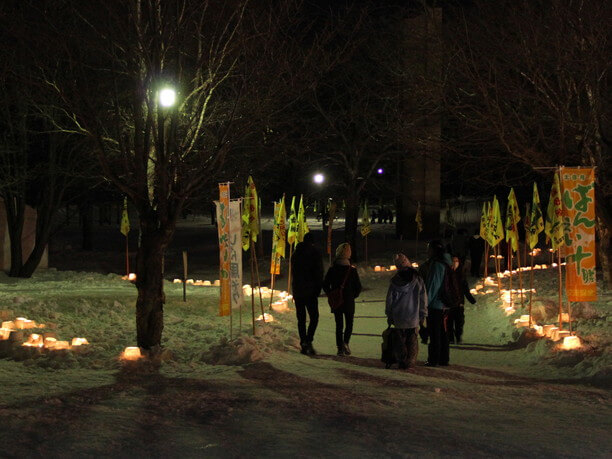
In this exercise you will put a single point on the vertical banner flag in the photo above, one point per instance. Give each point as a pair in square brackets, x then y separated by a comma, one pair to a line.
[512, 218]
[484, 221]
[125, 219]
[253, 204]
[365, 220]
[419, 218]
[536, 221]
[450, 221]
[554, 225]
[332, 215]
[496, 229]
[579, 231]
[282, 229]
[235, 236]
[275, 257]
[223, 219]
[292, 233]
[302, 226]
[246, 233]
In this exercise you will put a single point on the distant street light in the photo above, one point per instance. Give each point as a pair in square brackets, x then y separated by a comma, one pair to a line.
[318, 178]
[380, 171]
[167, 97]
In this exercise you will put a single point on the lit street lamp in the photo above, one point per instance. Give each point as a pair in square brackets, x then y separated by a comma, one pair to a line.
[167, 97]
[318, 178]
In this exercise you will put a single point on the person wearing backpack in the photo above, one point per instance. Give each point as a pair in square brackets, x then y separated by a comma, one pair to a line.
[435, 272]
[406, 307]
[344, 277]
[456, 313]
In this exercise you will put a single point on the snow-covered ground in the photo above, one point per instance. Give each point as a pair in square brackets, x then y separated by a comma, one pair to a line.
[502, 395]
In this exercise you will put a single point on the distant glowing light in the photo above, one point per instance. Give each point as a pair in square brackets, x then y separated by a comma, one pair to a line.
[319, 178]
[380, 171]
[167, 97]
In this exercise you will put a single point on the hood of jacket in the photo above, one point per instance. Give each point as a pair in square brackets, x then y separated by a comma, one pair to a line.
[404, 278]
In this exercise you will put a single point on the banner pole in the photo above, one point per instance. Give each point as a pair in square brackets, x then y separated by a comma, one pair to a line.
[127, 256]
[520, 273]
[416, 244]
[510, 271]
[272, 288]
[560, 289]
[252, 291]
[497, 268]
[185, 276]
[530, 288]
[289, 274]
[486, 261]
[263, 317]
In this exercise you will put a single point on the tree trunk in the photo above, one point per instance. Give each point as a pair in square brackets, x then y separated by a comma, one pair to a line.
[149, 282]
[15, 215]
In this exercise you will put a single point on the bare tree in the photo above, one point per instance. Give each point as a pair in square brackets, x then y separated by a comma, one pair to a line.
[116, 58]
[532, 78]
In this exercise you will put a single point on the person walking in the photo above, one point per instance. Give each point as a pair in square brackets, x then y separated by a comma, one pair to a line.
[342, 274]
[307, 281]
[434, 271]
[406, 308]
[456, 313]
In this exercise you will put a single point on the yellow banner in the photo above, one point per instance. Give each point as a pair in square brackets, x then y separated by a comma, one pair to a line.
[125, 219]
[579, 232]
[275, 256]
[419, 218]
[365, 221]
[223, 224]
[512, 218]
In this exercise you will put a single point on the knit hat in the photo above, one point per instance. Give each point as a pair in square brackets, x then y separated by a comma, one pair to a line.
[401, 261]
[343, 250]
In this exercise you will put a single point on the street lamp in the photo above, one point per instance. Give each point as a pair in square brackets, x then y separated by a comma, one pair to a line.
[380, 171]
[167, 97]
[318, 178]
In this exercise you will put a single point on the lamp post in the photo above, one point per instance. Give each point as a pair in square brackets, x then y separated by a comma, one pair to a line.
[167, 97]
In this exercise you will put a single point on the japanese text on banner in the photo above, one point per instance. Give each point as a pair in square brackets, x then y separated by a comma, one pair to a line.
[579, 232]
[223, 224]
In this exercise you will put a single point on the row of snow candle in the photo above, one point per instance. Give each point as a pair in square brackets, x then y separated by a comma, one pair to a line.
[552, 332]
[48, 342]
[382, 269]
[204, 283]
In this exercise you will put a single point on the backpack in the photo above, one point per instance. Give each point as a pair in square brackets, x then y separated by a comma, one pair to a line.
[450, 291]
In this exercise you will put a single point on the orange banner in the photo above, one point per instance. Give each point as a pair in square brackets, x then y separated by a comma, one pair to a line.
[223, 224]
[578, 185]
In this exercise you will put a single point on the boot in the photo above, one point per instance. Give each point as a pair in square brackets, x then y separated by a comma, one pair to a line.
[340, 351]
[304, 348]
[347, 349]
[311, 350]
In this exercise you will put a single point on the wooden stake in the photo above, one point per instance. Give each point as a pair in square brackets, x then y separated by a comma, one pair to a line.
[510, 271]
[560, 288]
[520, 273]
[289, 275]
[252, 291]
[416, 245]
[184, 275]
[263, 317]
[272, 288]
[530, 289]
[365, 244]
[497, 268]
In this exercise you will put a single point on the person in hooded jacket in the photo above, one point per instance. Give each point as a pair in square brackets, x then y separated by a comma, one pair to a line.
[433, 272]
[340, 270]
[307, 271]
[406, 308]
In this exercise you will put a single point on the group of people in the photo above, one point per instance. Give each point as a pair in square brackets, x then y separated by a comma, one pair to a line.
[428, 302]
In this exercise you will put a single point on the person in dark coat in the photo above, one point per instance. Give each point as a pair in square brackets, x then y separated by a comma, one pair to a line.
[306, 284]
[433, 272]
[340, 270]
[406, 308]
[476, 245]
[456, 313]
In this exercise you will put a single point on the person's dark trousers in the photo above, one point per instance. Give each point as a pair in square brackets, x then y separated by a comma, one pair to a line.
[456, 320]
[312, 306]
[405, 347]
[347, 315]
[476, 260]
[438, 338]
